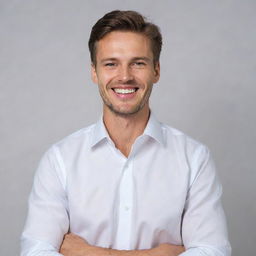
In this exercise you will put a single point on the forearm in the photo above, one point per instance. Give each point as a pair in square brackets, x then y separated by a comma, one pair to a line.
[93, 251]
[161, 250]
[76, 245]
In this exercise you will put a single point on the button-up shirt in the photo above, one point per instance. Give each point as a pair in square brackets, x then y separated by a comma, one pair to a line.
[165, 191]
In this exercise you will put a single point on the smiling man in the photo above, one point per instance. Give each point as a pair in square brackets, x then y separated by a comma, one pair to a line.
[127, 185]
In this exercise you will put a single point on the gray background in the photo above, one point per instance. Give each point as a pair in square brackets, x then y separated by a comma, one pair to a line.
[207, 89]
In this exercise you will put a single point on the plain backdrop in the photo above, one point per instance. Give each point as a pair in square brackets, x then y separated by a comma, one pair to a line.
[207, 90]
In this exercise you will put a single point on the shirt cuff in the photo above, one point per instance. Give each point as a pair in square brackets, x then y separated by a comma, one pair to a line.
[207, 251]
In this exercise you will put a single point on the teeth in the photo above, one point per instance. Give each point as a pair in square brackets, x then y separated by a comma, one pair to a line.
[124, 91]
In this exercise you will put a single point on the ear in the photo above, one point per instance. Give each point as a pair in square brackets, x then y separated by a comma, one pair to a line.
[94, 74]
[157, 72]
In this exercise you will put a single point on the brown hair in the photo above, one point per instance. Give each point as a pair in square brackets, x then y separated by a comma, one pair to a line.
[125, 21]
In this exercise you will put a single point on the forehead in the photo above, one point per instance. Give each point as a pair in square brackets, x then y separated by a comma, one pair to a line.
[120, 44]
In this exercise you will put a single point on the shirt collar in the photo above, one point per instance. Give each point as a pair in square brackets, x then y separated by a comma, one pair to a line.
[99, 132]
[153, 130]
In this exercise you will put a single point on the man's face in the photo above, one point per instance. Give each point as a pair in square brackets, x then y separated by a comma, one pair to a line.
[125, 71]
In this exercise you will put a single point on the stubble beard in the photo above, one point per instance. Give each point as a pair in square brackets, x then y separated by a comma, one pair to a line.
[140, 105]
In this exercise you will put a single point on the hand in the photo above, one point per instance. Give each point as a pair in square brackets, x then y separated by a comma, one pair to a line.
[168, 250]
[74, 245]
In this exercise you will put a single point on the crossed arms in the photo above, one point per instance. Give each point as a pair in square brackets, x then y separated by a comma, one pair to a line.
[75, 245]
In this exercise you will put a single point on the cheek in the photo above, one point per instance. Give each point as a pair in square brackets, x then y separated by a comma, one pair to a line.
[147, 80]
[146, 75]
[106, 77]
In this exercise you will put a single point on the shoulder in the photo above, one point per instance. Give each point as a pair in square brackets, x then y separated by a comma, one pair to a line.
[60, 154]
[173, 135]
[72, 142]
[76, 138]
[192, 149]
[190, 152]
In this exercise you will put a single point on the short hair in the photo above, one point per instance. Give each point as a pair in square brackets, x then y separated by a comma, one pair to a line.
[125, 21]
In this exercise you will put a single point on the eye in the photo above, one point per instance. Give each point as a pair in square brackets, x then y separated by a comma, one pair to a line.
[139, 63]
[110, 64]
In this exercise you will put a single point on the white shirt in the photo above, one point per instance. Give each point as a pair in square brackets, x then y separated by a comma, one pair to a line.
[166, 191]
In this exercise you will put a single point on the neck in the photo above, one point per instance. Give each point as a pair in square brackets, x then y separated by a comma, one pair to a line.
[123, 130]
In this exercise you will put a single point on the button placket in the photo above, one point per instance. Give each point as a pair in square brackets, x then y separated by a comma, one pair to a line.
[125, 207]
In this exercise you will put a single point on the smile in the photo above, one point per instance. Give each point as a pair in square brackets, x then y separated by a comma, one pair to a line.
[124, 91]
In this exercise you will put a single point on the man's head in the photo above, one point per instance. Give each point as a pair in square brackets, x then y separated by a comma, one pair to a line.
[125, 21]
[125, 61]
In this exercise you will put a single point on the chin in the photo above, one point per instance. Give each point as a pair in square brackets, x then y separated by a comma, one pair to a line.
[127, 112]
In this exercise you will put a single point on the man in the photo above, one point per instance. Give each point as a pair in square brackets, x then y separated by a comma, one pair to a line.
[127, 185]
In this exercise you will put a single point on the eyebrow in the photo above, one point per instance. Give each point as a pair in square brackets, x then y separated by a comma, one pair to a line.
[146, 59]
[108, 59]
[142, 58]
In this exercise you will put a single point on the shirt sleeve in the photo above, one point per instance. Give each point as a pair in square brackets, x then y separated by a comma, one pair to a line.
[204, 230]
[47, 221]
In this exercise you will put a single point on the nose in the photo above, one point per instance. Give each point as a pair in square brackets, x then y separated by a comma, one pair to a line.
[125, 74]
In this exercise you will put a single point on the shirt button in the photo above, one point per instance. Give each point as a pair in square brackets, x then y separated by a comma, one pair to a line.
[127, 208]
